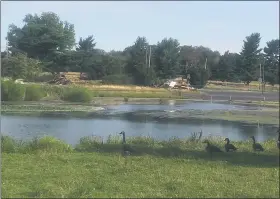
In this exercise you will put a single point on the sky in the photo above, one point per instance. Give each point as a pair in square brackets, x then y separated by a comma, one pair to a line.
[220, 25]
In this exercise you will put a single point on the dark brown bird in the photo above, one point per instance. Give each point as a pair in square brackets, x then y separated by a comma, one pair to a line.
[211, 148]
[278, 141]
[229, 147]
[126, 148]
[256, 146]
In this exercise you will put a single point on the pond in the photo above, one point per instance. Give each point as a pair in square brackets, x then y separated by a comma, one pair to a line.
[71, 130]
[173, 106]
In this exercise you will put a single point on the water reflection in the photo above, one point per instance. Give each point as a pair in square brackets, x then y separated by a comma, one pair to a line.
[71, 130]
[176, 107]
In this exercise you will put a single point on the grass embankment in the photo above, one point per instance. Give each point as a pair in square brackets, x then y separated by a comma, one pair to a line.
[83, 93]
[253, 86]
[175, 168]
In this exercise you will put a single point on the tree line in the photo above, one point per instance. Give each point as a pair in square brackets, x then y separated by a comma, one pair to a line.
[46, 43]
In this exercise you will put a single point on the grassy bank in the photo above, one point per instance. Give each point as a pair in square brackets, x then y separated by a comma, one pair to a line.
[175, 168]
[81, 93]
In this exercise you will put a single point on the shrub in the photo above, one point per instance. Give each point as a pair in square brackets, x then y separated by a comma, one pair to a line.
[53, 90]
[89, 143]
[43, 77]
[77, 95]
[10, 91]
[34, 93]
[48, 143]
[8, 145]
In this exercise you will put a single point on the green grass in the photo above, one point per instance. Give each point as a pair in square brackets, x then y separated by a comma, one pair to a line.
[76, 93]
[174, 168]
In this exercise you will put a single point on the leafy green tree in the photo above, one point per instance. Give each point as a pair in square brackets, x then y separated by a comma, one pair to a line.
[271, 56]
[250, 58]
[199, 56]
[226, 70]
[137, 65]
[114, 63]
[86, 44]
[41, 35]
[167, 61]
[64, 61]
[20, 66]
[198, 76]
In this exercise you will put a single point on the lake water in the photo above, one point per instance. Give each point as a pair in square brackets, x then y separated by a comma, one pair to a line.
[71, 130]
[172, 106]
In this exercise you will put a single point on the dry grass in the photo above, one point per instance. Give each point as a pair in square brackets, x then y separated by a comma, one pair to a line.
[123, 87]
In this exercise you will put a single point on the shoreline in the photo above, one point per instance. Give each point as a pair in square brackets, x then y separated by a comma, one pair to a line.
[89, 111]
[145, 101]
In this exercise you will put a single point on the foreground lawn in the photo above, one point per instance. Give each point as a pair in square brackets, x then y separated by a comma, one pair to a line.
[110, 175]
[49, 168]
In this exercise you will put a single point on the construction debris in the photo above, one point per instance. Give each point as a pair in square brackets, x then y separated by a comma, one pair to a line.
[177, 83]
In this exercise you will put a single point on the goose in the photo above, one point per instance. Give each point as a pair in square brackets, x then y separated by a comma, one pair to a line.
[256, 146]
[278, 141]
[229, 147]
[211, 148]
[126, 148]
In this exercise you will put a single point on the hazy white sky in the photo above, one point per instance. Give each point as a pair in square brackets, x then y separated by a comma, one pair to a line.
[115, 25]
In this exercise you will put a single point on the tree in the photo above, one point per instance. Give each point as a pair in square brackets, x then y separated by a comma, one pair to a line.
[198, 76]
[20, 66]
[87, 44]
[250, 58]
[64, 61]
[114, 63]
[41, 35]
[136, 65]
[199, 56]
[226, 70]
[271, 56]
[167, 59]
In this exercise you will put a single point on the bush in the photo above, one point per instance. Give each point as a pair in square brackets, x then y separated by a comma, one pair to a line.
[117, 79]
[48, 143]
[54, 90]
[77, 95]
[34, 93]
[43, 77]
[10, 91]
[8, 145]
[89, 143]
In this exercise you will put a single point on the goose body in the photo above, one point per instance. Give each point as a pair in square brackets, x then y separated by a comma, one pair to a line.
[278, 141]
[229, 147]
[211, 148]
[126, 148]
[256, 146]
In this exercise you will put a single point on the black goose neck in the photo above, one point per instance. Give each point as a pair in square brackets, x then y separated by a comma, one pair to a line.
[123, 134]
